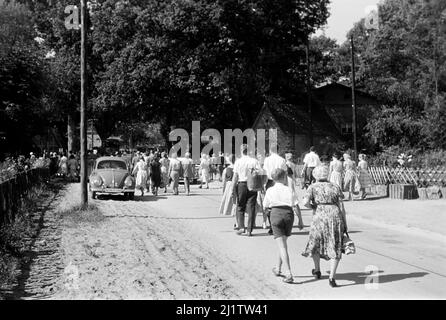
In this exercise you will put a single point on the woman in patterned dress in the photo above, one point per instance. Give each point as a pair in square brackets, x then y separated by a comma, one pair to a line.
[350, 178]
[364, 177]
[328, 225]
[335, 171]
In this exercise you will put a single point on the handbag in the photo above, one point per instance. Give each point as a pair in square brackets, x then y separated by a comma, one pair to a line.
[254, 180]
[348, 246]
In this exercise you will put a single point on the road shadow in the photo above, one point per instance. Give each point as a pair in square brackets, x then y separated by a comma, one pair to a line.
[359, 278]
[145, 198]
[149, 198]
[294, 233]
[372, 198]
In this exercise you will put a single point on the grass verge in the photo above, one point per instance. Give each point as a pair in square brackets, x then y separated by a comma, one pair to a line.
[17, 237]
[79, 215]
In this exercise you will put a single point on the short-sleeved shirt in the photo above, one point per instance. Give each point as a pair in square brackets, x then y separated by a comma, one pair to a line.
[312, 160]
[279, 195]
[273, 162]
[243, 165]
[175, 164]
[188, 167]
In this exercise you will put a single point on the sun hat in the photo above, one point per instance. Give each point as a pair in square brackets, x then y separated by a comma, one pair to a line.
[320, 173]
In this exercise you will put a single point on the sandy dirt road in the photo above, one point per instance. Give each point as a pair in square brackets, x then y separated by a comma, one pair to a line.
[178, 247]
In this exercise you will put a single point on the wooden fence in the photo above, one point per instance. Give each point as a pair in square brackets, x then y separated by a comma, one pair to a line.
[14, 189]
[415, 176]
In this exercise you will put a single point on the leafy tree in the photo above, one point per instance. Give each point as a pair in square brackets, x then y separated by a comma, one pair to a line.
[206, 60]
[404, 63]
[21, 76]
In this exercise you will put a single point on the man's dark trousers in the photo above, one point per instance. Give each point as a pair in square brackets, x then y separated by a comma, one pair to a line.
[246, 203]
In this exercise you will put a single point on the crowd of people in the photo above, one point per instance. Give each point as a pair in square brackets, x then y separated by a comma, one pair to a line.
[14, 165]
[155, 170]
[252, 184]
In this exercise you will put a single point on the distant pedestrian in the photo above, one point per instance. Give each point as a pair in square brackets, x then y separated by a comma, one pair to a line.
[174, 172]
[365, 180]
[221, 165]
[155, 174]
[73, 166]
[63, 165]
[328, 225]
[164, 161]
[280, 201]
[228, 202]
[336, 171]
[205, 166]
[188, 169]
[141, 171]
[351, 182]
[53, 163]
[311, 161]
[292, 185]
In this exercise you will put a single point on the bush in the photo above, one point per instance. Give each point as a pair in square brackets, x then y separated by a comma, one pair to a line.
[413, 158]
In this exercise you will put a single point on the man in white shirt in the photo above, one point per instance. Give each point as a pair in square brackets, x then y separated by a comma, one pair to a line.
[271, 163]
[311, 161]
[246, 199]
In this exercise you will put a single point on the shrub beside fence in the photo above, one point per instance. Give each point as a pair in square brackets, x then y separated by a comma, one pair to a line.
[14, 189]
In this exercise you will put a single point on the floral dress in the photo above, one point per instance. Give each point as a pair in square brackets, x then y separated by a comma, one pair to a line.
[351, 182]
[164, 175]
[327, 226]
[336, 169]
[364, 177]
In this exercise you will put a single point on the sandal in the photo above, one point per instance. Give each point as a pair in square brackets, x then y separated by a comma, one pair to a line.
[277, 273]
[288, 279]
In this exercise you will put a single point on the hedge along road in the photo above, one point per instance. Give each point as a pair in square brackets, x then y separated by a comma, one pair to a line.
[179, 247]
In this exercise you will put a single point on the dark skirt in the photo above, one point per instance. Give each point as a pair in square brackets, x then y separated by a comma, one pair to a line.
[282, 219]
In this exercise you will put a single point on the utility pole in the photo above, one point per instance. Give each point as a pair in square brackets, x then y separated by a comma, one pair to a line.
[355, 145]
[83, 124]
[310, 107]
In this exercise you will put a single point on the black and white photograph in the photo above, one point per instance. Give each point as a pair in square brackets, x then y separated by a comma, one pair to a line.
[238, 151]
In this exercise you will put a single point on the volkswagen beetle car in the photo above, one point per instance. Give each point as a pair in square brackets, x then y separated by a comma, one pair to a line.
[111, 175]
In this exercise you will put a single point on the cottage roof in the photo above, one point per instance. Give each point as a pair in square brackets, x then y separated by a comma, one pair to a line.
[294, 119]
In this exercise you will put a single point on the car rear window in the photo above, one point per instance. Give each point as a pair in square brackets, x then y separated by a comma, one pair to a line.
[112, 164]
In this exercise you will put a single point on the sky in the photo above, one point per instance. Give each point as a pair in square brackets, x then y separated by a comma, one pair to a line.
[343, 15]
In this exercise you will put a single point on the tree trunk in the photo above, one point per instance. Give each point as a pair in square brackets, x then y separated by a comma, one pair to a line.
[71, 127]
